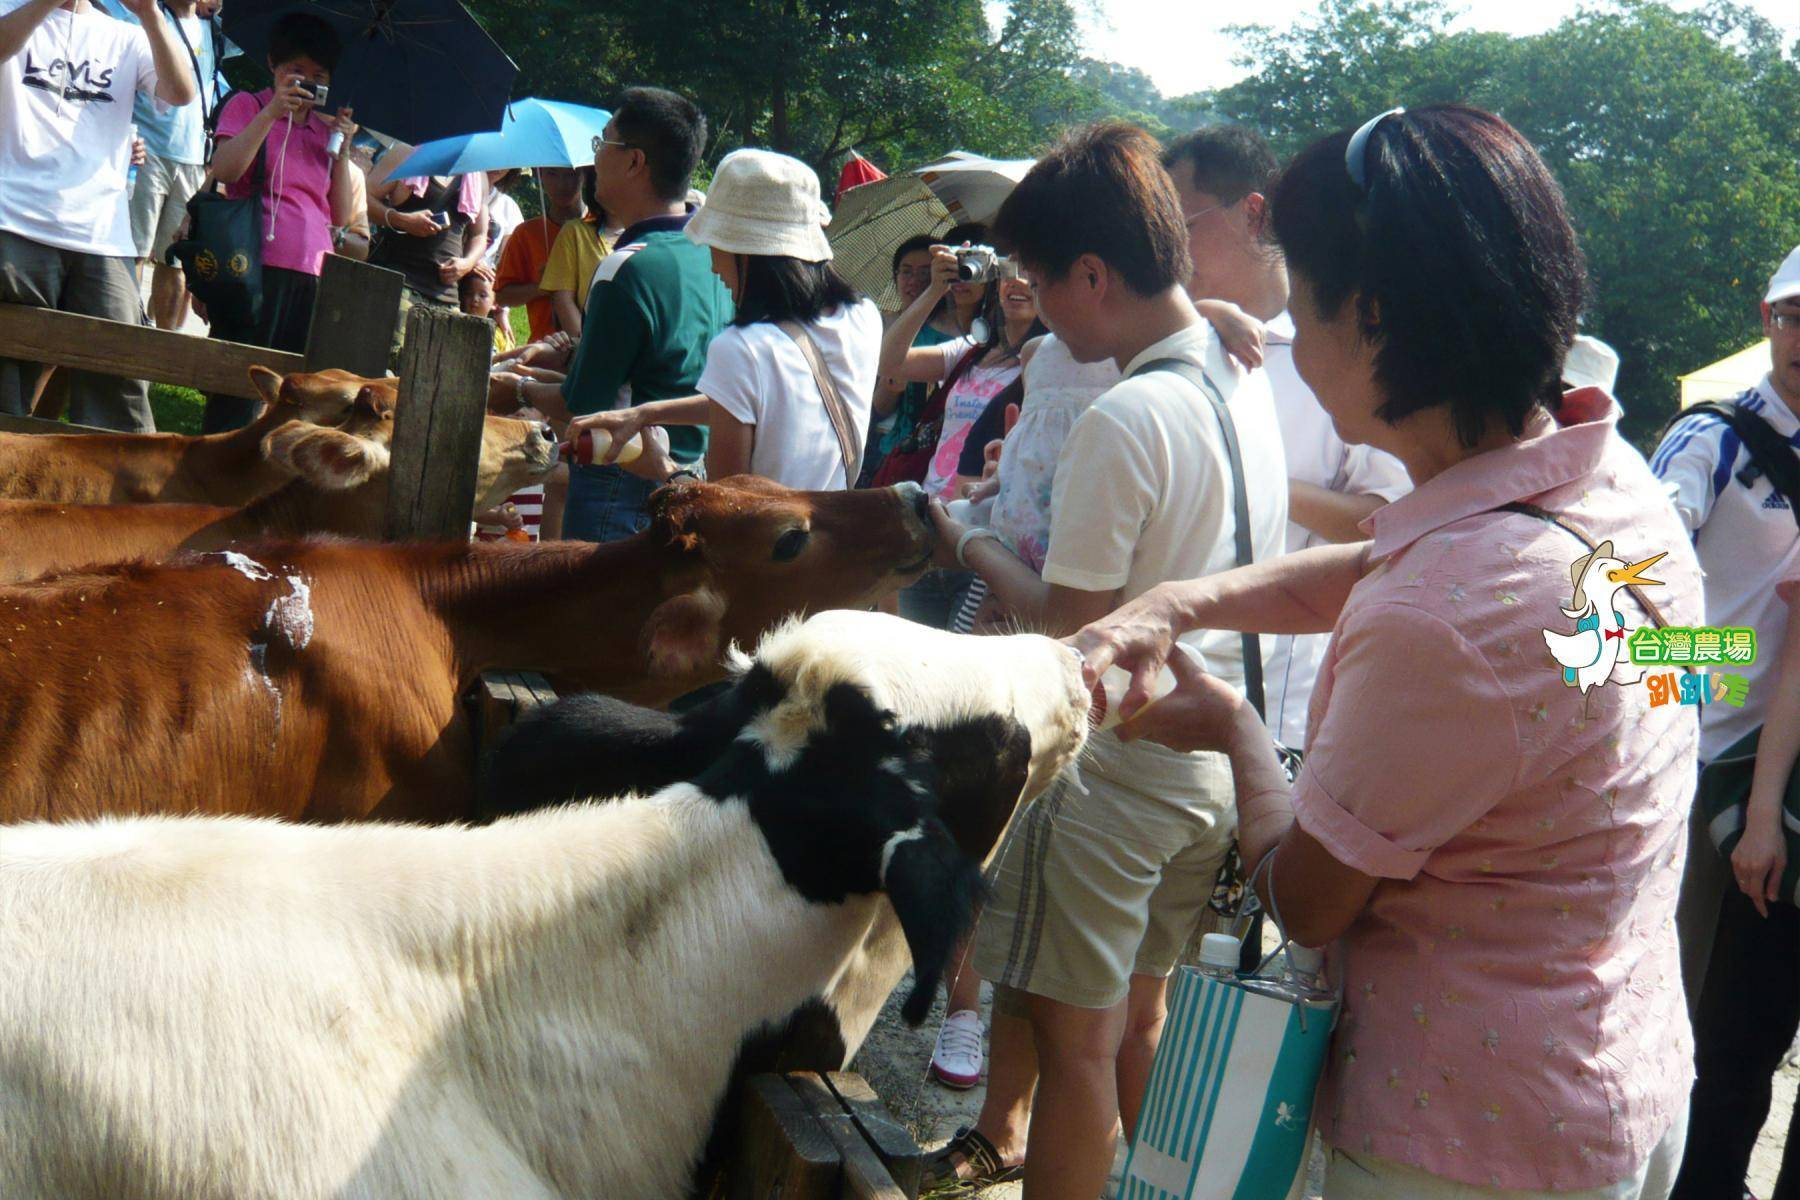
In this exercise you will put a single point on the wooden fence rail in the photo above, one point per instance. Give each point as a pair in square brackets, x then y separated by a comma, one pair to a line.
[136, 351]
[352, 329]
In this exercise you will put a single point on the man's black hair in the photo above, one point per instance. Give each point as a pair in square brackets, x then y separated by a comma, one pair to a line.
[1101, 190]
[1227, 161]
[301, 33]
[1459, 256]
[912, 245]
[669, 129]
[776, 287]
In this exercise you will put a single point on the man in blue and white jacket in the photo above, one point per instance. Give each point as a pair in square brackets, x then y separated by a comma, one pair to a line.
[1746, 537]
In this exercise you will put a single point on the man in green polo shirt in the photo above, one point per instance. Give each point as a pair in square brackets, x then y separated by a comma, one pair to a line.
[654, 308]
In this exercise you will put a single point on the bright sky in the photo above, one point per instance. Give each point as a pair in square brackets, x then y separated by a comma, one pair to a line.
[1181, 44]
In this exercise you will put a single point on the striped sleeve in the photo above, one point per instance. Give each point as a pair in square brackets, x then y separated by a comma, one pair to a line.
[1695, 462]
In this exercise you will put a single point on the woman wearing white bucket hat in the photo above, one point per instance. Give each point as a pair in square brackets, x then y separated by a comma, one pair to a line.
[771, 413]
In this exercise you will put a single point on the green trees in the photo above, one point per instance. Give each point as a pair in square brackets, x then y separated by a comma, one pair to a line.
[902, 83]
[1674, 136]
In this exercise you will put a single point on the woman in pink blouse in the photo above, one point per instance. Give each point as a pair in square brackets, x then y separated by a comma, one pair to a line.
[1494, 846]
[275, 144]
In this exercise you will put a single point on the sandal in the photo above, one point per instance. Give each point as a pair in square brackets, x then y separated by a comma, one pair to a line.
[971, 1150]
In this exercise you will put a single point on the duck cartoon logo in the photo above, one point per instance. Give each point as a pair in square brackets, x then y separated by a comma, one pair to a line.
[1596, 652]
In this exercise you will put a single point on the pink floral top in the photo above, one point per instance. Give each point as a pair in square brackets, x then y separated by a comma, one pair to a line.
[1513, 1008]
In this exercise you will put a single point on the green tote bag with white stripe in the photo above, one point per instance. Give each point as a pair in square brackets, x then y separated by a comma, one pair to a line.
[1229, 1103]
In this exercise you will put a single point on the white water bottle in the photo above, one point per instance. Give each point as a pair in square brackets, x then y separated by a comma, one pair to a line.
[1219, 955]
[1109, 692]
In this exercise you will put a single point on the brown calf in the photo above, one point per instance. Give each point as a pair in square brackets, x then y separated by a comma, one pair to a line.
[135, 468]
[339, 487]
[320, 680]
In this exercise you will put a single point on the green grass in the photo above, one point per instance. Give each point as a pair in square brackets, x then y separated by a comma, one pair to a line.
[176, 409]
[521, 324]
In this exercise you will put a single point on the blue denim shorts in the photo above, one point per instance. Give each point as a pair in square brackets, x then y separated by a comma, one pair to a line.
[606, 504]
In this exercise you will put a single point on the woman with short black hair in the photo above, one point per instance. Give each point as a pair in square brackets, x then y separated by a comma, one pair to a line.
[1490, 836]
[769, 413]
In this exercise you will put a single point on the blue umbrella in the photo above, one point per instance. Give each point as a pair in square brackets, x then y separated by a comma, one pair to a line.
[536, 133]
[414, 69]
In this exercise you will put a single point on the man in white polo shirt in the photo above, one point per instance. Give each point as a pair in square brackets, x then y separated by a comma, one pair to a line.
[68, 77]
[1099, 887]
[1742, 968]
[1222, 174]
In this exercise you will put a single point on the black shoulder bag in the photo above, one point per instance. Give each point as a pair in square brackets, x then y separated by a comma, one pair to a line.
[222, 253]
[1770, 453]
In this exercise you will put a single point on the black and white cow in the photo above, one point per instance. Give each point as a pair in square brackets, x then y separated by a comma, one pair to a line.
[551, 1005]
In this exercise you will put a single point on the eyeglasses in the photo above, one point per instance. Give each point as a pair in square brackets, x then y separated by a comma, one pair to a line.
[1189, 219]
[1356, 154]
[1784, 319]
[602, 140]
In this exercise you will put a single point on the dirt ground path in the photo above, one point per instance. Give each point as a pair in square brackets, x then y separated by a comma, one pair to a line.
[894, 1057]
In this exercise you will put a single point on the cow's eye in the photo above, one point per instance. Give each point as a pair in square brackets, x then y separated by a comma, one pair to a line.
[789, 545]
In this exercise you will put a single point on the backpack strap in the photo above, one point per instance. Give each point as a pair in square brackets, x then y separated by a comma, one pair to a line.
[835, 408]
[1240, 502]
[1770, 453]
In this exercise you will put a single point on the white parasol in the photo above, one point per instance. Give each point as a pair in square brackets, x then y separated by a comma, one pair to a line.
[872, 219]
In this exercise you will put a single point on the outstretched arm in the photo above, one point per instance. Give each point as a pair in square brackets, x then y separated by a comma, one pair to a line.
[17, 26]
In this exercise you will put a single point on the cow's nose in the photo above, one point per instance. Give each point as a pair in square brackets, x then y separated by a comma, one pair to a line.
[543, 430]
[916, 496]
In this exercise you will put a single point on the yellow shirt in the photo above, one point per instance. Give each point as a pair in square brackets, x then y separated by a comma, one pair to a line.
[574, 259]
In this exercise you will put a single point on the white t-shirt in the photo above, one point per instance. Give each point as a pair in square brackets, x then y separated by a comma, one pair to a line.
[1143, 490]
[504, 216]
[65, 130]
[1316, 455]
[758, 375]
[1747, 542]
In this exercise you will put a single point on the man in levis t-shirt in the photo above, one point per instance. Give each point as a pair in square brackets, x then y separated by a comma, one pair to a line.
[68, 77]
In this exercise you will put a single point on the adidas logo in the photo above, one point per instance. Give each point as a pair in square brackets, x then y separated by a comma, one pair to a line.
[1775, 500]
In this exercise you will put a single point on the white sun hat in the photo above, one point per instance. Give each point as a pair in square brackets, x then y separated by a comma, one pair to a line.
[1786, 284]
[761, 202]
[1591, 363]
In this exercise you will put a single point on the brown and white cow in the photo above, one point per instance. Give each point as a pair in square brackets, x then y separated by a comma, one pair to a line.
[339, 486]
[320, 680]
[135, 468]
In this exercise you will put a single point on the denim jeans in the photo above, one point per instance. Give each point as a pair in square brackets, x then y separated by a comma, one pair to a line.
[606, 504]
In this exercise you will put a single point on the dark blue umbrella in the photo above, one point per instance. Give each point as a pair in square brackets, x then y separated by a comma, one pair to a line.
[416, 70]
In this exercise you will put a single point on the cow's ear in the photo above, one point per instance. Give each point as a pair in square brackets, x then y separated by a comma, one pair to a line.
[582, 747]
[683, 633]
[935, 889]
[267, 383]
[597, 747]
[326, 458]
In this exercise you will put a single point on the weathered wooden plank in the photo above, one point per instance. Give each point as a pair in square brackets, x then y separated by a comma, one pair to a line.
[893, 1143]
[136, 351]
[437, 424]
[497, 705]
[533, 690]
[11, 424]
[783, 1153]
[865, 1176]
[353, 317]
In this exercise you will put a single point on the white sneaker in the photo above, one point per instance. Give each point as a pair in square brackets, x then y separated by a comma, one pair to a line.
[956, 1059]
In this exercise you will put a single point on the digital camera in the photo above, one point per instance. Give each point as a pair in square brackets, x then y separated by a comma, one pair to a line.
[980, 264]
[318, 91]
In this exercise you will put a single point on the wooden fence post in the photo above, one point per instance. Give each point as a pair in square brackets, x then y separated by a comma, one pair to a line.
[353, 317]
[437, 424]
